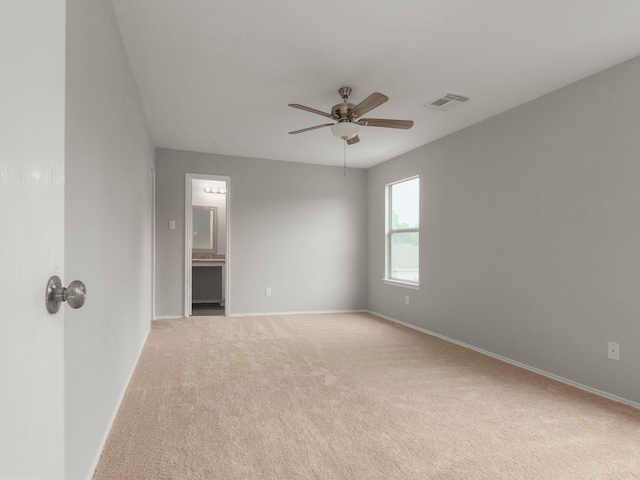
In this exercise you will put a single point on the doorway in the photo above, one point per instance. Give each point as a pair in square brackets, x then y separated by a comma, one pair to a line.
[207, 252]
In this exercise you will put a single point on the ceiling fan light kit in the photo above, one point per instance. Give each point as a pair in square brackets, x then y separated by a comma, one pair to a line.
[345, 130]
[347, 117]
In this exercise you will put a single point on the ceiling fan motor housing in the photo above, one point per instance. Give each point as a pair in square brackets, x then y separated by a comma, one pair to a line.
[342, 111]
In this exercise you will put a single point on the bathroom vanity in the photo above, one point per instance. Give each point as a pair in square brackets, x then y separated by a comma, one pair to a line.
[208, 273]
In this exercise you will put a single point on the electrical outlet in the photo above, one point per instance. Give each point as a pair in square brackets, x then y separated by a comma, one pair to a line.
[267, 291]
[613, 351]
[406, 300]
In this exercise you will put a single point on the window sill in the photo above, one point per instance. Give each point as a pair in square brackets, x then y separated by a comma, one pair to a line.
[398, 283]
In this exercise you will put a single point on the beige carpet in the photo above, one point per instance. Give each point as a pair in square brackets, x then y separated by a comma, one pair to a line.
[352, 396]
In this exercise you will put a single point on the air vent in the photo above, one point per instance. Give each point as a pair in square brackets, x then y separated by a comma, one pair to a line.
[446, 102]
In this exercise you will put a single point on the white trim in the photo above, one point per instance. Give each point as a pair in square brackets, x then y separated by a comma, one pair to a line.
[552, 376]
[312, 312]
[153, 240]
[114, 414]
[398, 283]
[188, 201]
[402, 180]
[168, 317]
[187, 240]
[388, 232]
[226, 268]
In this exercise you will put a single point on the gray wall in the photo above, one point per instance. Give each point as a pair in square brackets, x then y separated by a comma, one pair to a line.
[297, 228]
[108, 229]
[530, 242]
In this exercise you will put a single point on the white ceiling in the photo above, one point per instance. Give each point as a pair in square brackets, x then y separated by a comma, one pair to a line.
[216, 76]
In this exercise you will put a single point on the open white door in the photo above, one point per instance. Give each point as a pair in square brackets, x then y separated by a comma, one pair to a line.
[32, 126]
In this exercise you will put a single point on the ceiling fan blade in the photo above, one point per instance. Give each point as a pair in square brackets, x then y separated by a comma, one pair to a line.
[310, 128]
[353, 140]
[383, 122]
[309, 109]
[372, 101]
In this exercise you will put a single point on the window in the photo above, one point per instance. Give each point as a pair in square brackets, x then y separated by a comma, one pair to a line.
[403, 232]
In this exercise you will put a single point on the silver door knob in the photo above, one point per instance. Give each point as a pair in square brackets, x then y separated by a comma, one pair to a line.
[75, 294]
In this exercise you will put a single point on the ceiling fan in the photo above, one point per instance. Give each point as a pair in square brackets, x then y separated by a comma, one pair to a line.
[347, 116]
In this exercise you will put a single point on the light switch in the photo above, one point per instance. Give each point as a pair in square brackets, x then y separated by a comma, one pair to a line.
[172, 224]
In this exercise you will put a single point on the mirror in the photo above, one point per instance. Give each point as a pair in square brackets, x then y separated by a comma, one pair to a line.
[203, 221]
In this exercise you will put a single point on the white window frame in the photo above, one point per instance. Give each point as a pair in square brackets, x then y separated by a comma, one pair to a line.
[389, 231]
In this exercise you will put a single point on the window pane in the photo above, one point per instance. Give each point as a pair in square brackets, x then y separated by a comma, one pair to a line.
[405, 204]
[405, 256]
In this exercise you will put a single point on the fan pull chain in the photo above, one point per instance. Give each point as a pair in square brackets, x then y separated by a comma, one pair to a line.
[345, 158]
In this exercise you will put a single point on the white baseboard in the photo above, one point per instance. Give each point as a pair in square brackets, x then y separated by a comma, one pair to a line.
[94, 464]
[552, 376]
[264, 314]
[168, 317]
[313, 312]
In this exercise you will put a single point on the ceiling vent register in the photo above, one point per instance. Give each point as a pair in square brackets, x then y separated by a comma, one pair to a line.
[446, 102]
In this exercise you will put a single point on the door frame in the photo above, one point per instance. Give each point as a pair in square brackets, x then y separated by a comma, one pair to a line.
[152, 173]
[188, 240]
